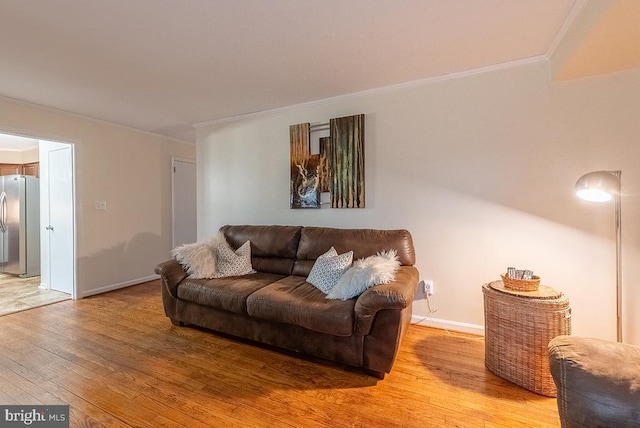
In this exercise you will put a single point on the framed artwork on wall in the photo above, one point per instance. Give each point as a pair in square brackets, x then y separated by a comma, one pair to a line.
[338, 168]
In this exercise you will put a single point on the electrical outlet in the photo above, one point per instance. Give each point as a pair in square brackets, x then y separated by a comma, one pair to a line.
[428, 287]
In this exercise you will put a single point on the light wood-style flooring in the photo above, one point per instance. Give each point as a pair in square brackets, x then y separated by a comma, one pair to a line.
[19, 294]
[118, 362]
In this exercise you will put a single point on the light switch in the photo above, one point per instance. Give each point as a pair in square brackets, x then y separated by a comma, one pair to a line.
[101, 205]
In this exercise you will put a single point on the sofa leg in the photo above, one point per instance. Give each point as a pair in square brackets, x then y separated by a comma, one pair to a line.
[176, 322]
[375, 373]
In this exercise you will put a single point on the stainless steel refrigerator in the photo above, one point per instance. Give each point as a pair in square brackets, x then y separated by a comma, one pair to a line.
[20, 225]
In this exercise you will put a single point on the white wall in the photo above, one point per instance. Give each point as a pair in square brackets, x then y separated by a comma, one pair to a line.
[7, 156]
[29, 156]
[479, 168]
[26, 156]
[131, 171]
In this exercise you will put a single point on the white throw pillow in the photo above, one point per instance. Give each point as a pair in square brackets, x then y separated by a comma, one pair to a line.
[328, 268]
[198, 259]
[232, 263]
[365, 273]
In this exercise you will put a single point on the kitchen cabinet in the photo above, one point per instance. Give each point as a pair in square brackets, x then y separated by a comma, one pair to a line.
[10, 168]
[32, 168]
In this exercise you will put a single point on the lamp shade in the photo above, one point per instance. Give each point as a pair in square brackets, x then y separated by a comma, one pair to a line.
[598, 186]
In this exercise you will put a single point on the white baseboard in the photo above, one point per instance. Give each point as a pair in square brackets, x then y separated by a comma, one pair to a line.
[448, 325]
[124, 284]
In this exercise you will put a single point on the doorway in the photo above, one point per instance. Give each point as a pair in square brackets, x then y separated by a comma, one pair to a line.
[46, 165]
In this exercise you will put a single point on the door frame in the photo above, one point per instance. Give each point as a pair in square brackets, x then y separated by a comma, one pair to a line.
[175, 159]
[45, 147]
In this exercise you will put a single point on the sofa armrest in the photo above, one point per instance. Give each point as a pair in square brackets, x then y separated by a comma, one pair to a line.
[397, 295]
[171, 273]
[598, 381]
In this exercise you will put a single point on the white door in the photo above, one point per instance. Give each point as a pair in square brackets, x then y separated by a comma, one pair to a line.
[61, 220]
[184, 201]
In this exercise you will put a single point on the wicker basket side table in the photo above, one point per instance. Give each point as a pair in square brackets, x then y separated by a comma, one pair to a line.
[518, 328]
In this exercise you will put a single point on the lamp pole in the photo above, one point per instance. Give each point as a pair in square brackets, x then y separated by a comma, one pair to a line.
[618, 214]
[601, 186]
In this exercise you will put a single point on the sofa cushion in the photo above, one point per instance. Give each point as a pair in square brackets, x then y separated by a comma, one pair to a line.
[314, 241]
[273, 248]
[228, 293]
[598, 381]
[292, 300]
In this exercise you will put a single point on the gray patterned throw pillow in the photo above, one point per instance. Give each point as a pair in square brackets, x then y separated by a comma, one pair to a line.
[233, 263]
[328, 269]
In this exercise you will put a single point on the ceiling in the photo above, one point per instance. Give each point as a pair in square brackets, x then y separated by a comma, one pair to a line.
[12, 143]
[164, 65]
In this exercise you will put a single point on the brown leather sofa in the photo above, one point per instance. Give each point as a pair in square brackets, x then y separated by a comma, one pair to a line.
[277, 307]
[598, 382]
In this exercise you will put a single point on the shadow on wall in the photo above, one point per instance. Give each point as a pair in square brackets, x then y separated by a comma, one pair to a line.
[122, 264]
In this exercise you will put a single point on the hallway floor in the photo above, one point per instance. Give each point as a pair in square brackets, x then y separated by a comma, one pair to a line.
[19, 294]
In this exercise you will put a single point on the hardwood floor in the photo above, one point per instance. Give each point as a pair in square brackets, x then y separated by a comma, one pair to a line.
[118, 362]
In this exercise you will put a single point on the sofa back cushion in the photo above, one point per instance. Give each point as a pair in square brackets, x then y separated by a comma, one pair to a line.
[315, 241]
[273, 248]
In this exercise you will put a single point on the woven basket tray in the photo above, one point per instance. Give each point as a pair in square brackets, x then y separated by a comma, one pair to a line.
[520, 284]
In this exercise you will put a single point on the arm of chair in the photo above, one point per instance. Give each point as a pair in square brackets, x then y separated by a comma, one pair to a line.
[598, 381]
[398, 294]
[172, 273]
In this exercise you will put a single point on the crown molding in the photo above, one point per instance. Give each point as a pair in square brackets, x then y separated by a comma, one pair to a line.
[573, 14]
[90, 118]
[376, 91]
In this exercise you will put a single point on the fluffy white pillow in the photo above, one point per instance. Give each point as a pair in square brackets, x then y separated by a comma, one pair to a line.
[232, 263]
[198, 259]
[365, 273]
[328, 268]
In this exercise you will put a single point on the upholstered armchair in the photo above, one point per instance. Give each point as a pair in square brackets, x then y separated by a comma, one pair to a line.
[598, 382]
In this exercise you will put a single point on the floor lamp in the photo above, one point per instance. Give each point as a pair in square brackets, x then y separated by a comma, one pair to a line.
[602, 186]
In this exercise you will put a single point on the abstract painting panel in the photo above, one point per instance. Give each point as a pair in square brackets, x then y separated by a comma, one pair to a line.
[325, 170]
[347, 162]
[305, 167]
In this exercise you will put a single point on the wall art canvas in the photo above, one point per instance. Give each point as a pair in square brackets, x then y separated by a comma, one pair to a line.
[338, 168]
[305, 169]
[325, 170]
[346, 162]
